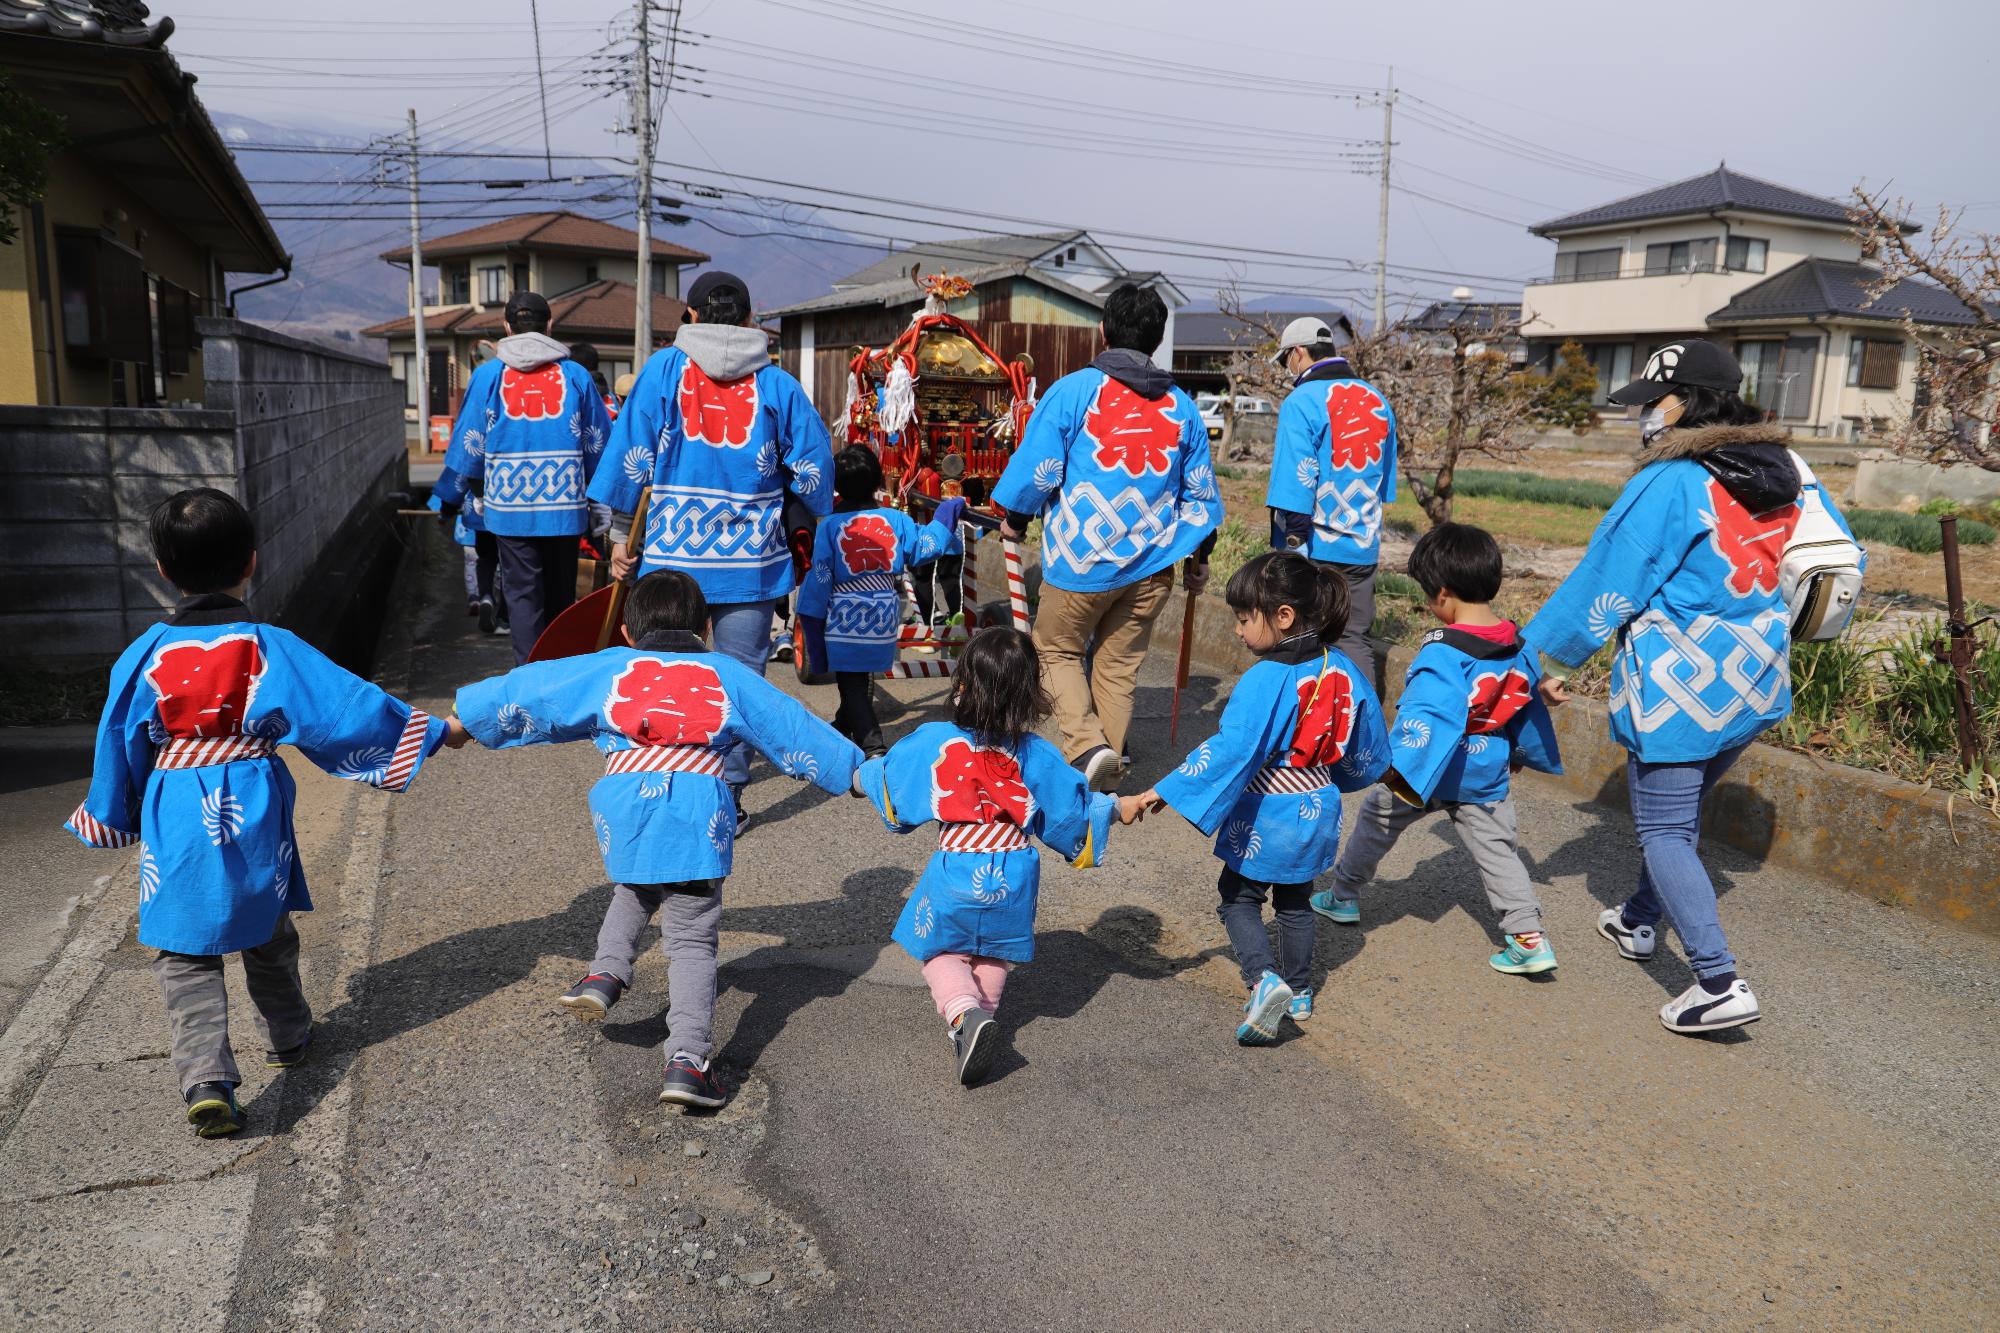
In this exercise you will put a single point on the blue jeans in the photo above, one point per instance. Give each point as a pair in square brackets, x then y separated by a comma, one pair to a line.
[1242, 913]
[742, 631]
[1666, 807]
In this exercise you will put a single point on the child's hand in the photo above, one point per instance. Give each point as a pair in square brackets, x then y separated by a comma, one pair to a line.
[455, 734]
[1132, 809]
[1553, 692]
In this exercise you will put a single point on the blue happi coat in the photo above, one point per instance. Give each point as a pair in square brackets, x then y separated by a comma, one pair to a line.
[528, 442]
[981, 901]
[1300, 727]
[466, 524]
[218, 861]
[720, 456]
[1685, 578]
[854, 580]
[1469, 709]
[673, 700]
[1126, 481]
[1335, 462]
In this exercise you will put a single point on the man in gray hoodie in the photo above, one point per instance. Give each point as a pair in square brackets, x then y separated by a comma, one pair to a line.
[741, 471]
[527, 439]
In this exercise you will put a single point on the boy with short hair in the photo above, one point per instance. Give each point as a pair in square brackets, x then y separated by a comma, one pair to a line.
[187, 767]
[1468, 717]
[663, 711]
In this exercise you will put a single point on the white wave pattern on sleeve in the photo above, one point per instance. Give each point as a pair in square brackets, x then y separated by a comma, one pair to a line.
[1610, 611]
[221, 817]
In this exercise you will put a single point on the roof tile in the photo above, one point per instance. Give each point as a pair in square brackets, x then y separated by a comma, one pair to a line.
[1706, 193]
[1833, 287]
[559, 230]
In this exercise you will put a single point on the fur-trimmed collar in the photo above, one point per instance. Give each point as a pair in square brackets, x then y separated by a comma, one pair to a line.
[1706, 440]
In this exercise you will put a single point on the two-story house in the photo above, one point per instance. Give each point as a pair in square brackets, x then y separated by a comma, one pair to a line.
[586, 269]
[1773, 273]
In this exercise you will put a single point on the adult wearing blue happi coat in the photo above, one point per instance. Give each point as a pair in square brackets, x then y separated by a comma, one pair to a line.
[741, 471]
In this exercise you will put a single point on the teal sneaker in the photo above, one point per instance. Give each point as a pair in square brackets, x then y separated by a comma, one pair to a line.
[1525, 954]
[1340, 911]
[1301, 1007]
[1264, 1011]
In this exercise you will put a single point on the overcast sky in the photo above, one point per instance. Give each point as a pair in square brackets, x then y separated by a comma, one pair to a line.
[1248, 123]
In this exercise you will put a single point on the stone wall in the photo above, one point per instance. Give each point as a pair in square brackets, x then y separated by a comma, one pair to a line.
[308, 437]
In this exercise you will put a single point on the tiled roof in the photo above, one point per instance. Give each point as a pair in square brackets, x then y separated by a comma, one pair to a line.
[114, 22]
[1833, 287]
[954, 254]
[1709, 192]
[900, 291]
[561, 230]
[601, 310]
[1217, 328]
[1440, 315]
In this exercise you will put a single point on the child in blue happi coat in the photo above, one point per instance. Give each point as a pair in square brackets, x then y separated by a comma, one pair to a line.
[1469, 715]
[990, 783]
[187, 768]
[850, 604]
[663, 712]
[1301, 727]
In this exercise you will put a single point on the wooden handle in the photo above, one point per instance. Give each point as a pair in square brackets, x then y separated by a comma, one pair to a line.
[614, 606]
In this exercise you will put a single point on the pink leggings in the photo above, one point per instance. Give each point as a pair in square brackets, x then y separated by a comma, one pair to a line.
[962, 981]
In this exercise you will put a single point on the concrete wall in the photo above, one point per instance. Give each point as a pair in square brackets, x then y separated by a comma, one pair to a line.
[1884, 481]
[310, 439]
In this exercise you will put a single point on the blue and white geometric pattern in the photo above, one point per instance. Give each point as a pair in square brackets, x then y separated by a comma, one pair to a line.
[864, 618]
[535, 481]
[1087, 529]
[1708, 673]
[1351, 509]
[691, 527]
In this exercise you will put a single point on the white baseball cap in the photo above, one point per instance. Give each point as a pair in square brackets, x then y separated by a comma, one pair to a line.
[1305, 331]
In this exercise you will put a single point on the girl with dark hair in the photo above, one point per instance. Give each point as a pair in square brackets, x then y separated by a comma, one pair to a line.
[1301, 727]
[1683, 575]
[850, 605]
[990, 783]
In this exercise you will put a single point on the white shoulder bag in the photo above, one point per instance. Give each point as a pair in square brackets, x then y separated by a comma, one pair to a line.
[1820, 571]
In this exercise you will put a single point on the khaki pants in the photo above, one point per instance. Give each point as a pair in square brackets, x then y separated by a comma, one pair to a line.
[1097, 711]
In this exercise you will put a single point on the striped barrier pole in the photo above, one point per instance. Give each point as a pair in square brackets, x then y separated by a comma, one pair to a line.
[919, 670]
[1017, 584]
[968, 573]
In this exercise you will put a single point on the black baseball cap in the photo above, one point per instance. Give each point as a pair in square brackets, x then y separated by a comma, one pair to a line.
[1694, 362]
[716, 282]
[526, 303]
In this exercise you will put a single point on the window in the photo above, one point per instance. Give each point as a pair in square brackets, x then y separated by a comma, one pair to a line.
[1747, 254]
[590, 273]
[457, 284]
[1681, 257]
[1874, 363]
[493, 285]
[1587, 265]
[1795, 377]
[106, 306]
[1762, 384]
[406, 371]
[660, 274]
[521, 278]
[1613, 363]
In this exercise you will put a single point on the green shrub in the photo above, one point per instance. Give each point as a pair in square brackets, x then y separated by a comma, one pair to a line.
[1916, 699]
[1231, 471]
[1914, 532]
[1402, 587]
[1938, 507]
[1235, 546]
[1534, 489]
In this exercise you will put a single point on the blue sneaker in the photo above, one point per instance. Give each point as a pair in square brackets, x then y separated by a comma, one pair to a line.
[1301, 1007]
[1340, 911]
[1262, 1014]
[1525, 954]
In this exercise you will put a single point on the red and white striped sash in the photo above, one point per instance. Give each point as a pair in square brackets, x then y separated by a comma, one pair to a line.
[1280, 780]
[96, 833]
[202, 751]
[665, 759]
[996, 837]
[409, 752]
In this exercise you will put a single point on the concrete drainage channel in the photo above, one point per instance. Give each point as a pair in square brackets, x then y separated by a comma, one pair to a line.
[1899, 844]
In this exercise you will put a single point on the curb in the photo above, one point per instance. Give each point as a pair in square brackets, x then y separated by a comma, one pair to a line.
[1900, 844]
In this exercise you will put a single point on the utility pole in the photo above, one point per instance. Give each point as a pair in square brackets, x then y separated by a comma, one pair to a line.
[422, 369]
[1382, 220]
[642, 123]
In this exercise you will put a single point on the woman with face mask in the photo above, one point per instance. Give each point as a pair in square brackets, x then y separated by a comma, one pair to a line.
[1683, 575]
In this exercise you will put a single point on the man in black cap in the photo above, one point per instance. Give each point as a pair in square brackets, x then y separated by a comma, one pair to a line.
[741, 471]
[526, 443]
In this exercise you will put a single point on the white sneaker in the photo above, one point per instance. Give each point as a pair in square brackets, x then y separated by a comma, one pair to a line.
[1698, 1011]
[1101, 769]
[1636, 943]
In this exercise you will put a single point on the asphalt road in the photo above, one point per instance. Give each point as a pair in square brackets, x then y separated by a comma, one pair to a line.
[1441, 1147]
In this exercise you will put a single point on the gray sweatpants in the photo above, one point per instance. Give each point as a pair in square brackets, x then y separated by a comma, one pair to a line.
[1491, 834]
[690, 922]
[198, 1005]
[1356, 641]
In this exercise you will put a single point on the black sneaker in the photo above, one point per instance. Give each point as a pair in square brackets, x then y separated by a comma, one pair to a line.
[484, 610]
[1100, 768]
[592, 998]
[977, 1040]
[212, 1110]
[472, 606]
[875, 751]
[690, 1084]
[742, 817]
[287, 1058]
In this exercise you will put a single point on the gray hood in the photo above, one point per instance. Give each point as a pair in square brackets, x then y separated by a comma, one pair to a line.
[724, 351]
[527, 351]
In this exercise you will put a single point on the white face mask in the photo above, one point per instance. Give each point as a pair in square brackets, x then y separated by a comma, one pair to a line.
[1654, 424]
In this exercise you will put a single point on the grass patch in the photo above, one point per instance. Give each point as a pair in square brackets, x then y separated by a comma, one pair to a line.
[1541, 524]
[1235, 546]
[1914, 532]
[1534, 489]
